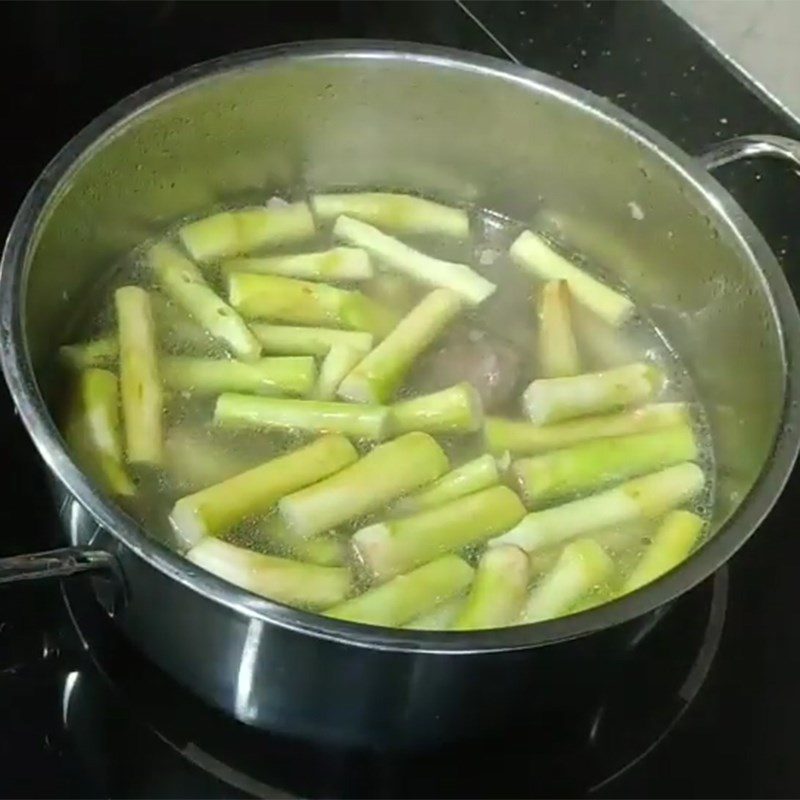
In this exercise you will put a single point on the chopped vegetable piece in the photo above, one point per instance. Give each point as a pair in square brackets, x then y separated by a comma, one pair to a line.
[286, 374]
[382, 475]
[247, 411]
[558, 352]
[480, 473]
[532, 253]
[337, 264]
[327, 551]
[648, 496]
[397, 545]
[231, 233]
[140, 385]
[582, 566]
[590, 466]
[439, 618]
[459, 278]
[524, 438]
[182, 281]
[554, 399]
[400, 213]
[214, 510]
[99, 353]
[381, 372]
[407, 596]
[92, 430]
[340, 360]
[281, 579]
[672, 543]
[293, 340]
[279, 299]
[498, 591]
[454, 410]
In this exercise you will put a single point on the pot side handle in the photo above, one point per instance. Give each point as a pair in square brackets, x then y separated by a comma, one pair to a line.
[753, 146]
[60, 563]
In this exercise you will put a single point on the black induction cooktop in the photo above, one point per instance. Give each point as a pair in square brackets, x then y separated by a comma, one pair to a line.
[709, 704]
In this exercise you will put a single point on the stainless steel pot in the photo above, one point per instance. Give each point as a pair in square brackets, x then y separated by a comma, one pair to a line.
[457, 126]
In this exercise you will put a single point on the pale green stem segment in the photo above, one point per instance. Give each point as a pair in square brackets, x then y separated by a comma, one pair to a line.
[92, 430]
[524, 438]
[439, 618]
[407, 596]
[278, 299]
[194, 461]
[457, 409]
[394, 546]
[582, 566]
[218, 508]
[185, 285]
[281, 579]
[340, 360]
[140, 384]
[534, 254]
[380, 374]
[590, 466]
[672, 543]
[399, 213]
[549, 400]
[498, 591]
[648, 496]
[319, 416]
[385, 473]
[480, 473]
[100, 353]
[337, 264]
[269, 376]
[231, 233]
[327, 551]
[558, 351]
[392, 253]
[292, 340]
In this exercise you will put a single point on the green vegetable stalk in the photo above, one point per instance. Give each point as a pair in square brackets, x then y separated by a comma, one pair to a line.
[327, 551]
[92, 430]
[648, 496]
[394, 254]
[269, 376]
[558, 351]
[498, 591]
[549, 400]
[337, 264]
[182, 281]
[399, 213]
[278, 299]
[248, 411]
[582, 566]
[99, 353]
[381, 476]
[591, 465]
[457, 409]
[532, 253]
[480, 473]
[439, 618]
[394, 546]
[281, 579]
[291, 340]
[336, 365]
[524, 438]
[231, 233]
[140, 384]
[381, 372]
[407, 596]
[672, 543]
[218, 508]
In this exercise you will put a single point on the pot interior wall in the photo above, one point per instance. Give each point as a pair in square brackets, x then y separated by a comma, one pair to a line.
[458, 134]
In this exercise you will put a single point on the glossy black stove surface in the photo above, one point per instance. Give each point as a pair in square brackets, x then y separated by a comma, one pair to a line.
[708, 704]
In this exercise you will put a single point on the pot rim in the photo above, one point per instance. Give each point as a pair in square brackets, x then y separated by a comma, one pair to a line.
[41, 427]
